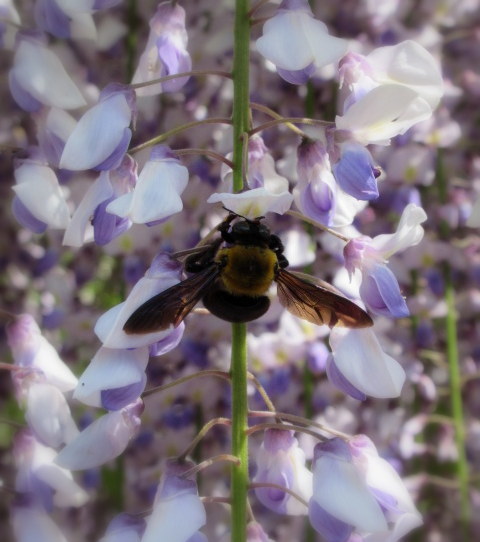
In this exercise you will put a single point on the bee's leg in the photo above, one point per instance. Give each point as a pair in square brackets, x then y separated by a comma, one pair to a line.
[275, 244]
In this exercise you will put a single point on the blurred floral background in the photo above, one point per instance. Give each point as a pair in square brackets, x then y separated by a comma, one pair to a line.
[430, 433]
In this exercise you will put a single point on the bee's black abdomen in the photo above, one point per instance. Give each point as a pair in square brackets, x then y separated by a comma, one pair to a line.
[235, 308]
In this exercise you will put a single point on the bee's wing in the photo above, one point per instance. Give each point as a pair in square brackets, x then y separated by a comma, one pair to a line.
[318, 302]
[172, 305]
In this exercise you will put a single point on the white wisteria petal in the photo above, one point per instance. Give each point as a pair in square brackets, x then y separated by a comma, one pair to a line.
[360, 358]
[79, 229]
[40, 73]
[110, 368]
[97, 134]
[109, 327]
[48, 415]
[38, 189]
[409, 232]
[156, 194]
[410, 64]
[39, 460]
[308, 41]
[254, 203]
[31, 523]
[175, 520]
[103, 440]
[384, 112]
[339, 489]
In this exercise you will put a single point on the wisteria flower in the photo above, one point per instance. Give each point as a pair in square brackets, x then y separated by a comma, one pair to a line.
[102, 440]
[157, 194]
[124, 528]
[166, 51]
[30, 521]
[65, 19]
[308, 47]
[114, 378]
[162, 274]
[281, 461]
[101, 137]
[318, 194]
[379, 288]
[91, 219]
[391, 89]
[32, 350]
[39, 79]
[359, 367]
[40, 476]
[178, 512]
[40, 197]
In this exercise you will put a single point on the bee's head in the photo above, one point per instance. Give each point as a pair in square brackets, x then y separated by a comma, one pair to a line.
[254, 232]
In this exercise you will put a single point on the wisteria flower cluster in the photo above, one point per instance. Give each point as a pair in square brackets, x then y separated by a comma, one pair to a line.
[290, 168]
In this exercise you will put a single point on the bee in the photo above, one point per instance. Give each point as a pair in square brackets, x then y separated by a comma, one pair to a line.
[231, 275]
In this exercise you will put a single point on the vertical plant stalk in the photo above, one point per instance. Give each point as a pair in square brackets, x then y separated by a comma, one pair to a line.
[456, 397]
[456, 400]
[238, 369]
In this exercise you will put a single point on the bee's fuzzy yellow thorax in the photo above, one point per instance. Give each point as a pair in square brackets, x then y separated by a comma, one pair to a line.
[248, 270]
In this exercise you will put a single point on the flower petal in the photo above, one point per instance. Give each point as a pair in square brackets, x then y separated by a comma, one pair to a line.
[360, 358]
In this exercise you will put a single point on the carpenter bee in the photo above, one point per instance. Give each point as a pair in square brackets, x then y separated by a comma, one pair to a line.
[231, 275]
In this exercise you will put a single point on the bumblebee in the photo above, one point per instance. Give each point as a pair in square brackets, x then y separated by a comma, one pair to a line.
[231, 275]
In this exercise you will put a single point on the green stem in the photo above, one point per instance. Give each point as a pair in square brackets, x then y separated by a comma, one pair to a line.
[238, 369]
[239, 436]
[456, 396]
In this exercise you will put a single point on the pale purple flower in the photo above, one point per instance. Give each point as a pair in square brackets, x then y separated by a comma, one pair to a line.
[157, 194]
[54, 127]
[308, 47]
[162, 274]
[255, 533]
[30, 522]
[102, 135]
[358, 356]
[342, 500]
[30, 349]
[46, 409]
[254, 203]
[103, 440]
[166, 51]
[356, 173]
[91, 219]
[379, 288]
[40, 194]
[8, 13]
[39, 475]
[317, 194]
[178, 513]
[124, 528]
[39, 79]
[65, 19]
[281, 461]
[392, 89]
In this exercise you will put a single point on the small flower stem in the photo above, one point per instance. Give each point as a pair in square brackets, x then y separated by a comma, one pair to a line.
[200, 374]
[205, 152]
[261, 390]
[208, 462]
[193, 73]
[277, 116]
[178, 129]
[456, 397]
[298, 420]
[205, 429]
[284, 427]
[259, 485]
[298, 215]
[289, 120]
[238, 367]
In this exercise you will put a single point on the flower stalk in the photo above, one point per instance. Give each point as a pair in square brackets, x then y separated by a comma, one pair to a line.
[238, 369]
